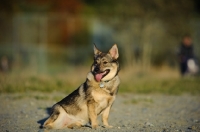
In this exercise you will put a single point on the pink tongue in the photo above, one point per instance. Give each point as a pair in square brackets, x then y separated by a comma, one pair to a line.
[99, 76]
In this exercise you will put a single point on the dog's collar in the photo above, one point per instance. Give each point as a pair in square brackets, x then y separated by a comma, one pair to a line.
[107, 81]
[102, 83]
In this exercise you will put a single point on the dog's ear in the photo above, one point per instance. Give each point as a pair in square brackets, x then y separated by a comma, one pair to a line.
[114, 52]
[96, 51]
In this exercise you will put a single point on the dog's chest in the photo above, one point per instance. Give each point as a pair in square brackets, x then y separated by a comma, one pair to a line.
[102, 99]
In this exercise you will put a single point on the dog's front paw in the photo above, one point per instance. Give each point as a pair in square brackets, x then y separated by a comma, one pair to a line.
[94, 126]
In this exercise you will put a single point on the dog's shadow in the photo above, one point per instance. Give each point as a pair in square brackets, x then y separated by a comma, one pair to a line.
[41, 122]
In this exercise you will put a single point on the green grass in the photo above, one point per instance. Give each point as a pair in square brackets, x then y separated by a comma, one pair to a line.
[18, 84]
[67, 82]
[173, 86]
[138, 100]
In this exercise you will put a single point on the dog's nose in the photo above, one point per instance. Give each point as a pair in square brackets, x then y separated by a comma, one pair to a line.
[96, 69]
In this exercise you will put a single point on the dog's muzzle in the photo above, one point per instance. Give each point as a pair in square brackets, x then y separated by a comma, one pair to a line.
[99, 75]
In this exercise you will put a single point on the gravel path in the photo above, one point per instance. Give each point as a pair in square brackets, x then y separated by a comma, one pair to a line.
[130, 113]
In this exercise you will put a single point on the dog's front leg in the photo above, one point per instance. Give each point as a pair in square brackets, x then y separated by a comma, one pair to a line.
[92, 114]
[105, 115]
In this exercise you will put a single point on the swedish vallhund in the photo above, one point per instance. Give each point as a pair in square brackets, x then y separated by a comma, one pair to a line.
[94, 97]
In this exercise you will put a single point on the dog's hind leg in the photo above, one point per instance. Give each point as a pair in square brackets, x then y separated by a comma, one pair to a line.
[59, 119]
[75, 125]
[49, 122]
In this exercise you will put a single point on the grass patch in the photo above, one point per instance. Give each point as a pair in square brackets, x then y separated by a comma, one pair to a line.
[18, 97]
[24, 84]
[139, 100]
[57, 98]
[41, 97]
[67, 82]
[165, 86]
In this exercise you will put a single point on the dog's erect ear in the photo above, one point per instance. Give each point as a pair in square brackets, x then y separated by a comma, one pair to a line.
[96, 51]
[114, 52]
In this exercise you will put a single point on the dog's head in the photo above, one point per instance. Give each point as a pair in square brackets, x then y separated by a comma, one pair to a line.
[105, 66]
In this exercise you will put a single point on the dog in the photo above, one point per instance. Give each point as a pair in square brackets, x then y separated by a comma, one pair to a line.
[94, 97]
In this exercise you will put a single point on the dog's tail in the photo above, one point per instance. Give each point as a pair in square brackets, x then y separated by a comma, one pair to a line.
[54, 115]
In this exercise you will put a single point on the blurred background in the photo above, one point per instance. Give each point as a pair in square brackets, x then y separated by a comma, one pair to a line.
[48, 44]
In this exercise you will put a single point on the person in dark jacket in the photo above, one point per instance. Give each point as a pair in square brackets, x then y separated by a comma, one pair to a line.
[185, 53]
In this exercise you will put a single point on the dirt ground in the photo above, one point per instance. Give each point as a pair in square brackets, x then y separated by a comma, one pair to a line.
[130, 113]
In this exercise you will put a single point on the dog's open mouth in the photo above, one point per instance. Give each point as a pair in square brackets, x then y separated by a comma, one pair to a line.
[99, 76]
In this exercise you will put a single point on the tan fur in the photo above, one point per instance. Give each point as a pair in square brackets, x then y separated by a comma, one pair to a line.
[89, 100]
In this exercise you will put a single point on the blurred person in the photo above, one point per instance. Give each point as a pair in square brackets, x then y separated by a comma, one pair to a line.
[4, 64]
[187, 59]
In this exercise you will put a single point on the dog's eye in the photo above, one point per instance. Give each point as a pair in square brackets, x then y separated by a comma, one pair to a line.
[105, 62]
[95, 62]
